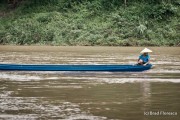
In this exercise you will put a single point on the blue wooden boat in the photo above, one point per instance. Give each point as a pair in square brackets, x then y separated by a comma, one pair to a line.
[41, 67]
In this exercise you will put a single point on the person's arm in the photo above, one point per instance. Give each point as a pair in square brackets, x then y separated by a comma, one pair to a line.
[139, 58]
[148, 61]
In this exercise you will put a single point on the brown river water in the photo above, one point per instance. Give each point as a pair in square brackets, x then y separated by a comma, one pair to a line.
[32, 95]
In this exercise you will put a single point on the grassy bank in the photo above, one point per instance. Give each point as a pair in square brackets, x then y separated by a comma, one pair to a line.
[91, 22]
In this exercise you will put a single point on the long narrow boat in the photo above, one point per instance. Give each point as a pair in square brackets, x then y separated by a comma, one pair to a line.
[41, 67]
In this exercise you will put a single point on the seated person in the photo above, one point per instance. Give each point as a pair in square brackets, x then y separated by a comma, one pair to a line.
[144, 58]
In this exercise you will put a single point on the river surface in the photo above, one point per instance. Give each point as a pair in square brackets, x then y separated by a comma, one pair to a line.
[32, 95]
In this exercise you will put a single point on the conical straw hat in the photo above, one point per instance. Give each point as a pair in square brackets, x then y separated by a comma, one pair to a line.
[146, 50]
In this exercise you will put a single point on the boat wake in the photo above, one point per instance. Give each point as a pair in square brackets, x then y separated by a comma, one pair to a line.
[14, 77]
[106, 79]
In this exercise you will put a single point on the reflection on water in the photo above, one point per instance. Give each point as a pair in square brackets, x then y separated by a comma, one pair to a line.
[88, 95]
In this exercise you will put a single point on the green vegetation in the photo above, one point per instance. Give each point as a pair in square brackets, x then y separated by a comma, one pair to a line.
[90, 22]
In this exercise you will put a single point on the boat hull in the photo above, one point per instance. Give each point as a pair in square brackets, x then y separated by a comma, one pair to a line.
[112, 68]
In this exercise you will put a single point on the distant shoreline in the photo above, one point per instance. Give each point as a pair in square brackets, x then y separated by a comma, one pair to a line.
[100, 49]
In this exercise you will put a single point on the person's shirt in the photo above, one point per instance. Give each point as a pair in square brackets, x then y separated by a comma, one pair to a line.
[144, 58]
